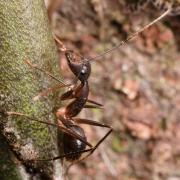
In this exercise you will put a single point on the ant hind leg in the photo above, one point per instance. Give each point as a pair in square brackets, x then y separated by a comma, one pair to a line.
[94, 123]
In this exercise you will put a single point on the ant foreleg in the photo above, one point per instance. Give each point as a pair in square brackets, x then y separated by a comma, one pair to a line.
[63, 156]
[45, 72]
[98, 143]
[49, 90]
[61, 127]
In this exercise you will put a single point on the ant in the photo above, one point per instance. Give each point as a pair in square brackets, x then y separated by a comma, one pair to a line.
[74, 139]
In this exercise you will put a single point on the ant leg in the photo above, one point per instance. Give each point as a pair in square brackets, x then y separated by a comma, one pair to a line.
[45, 72]
[94, 123]
[92, 106]
[49, 90]
[61, 127]
[94, 102]
[63, 156]
[70, 95]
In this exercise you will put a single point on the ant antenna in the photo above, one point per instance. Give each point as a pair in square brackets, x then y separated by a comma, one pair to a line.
[63, 47]
[44, 71]
[131, 36]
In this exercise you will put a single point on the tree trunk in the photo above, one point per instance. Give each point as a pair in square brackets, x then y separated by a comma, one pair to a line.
[25, 34]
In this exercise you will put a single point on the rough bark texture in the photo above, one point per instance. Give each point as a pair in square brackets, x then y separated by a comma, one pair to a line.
[25, 34]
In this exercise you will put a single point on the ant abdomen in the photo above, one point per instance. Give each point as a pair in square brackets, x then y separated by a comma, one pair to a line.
[81, 70]
[73, 145]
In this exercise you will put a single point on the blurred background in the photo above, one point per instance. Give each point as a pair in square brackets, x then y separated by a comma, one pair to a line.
[139, 85]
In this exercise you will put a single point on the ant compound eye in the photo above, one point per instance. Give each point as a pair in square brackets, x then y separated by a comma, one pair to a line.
[84, 70]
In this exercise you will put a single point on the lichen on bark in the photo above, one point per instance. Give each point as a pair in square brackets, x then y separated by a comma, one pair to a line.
[25, 34]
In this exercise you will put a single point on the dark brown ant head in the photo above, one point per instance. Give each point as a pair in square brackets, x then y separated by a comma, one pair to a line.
[81, 70]
[72, 145]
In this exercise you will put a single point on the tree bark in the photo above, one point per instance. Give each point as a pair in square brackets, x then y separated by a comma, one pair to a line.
[25, 34]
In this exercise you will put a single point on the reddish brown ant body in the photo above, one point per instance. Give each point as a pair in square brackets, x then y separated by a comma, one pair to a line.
[67, 115]
[74, 139]
[82, 70]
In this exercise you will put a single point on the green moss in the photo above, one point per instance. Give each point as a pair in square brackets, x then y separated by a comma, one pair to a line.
[25, 34]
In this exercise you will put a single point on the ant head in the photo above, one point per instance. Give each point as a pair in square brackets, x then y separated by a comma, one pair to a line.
[81, 70]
